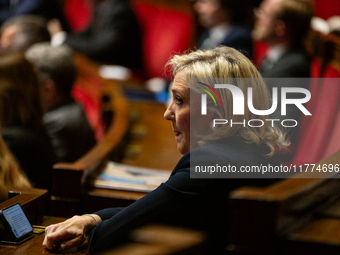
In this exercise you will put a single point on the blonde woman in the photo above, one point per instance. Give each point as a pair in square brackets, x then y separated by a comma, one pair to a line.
[199, 203]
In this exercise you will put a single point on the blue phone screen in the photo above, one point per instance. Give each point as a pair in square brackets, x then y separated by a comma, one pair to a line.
[17, 220]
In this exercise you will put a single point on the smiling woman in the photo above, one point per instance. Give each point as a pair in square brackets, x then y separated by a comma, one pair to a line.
[198, 203]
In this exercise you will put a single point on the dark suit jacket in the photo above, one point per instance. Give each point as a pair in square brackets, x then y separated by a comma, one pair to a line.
[294, 63]
[69, 131]
[113, 36]
[47, 8]
[184, 201]
[238, 37]
[33, 152]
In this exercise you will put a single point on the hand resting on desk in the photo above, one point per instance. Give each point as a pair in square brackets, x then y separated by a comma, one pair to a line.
[70, 233]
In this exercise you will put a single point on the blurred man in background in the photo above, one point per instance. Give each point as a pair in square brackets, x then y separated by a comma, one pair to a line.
[222, 20]
[66, 124]
[283, 24]
[21, 32]
[113, 36]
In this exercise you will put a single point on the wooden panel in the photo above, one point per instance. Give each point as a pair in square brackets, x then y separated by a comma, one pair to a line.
[96, 199]
[162, 240]
[153, 136]
[324, 47]
[324, 232]
[70, 178]
[34, 245]
[151, 144]
[262, 217]
[149, 132]
[32, 202]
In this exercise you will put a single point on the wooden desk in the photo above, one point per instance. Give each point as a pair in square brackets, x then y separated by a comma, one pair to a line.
[326, 48]
[70, 178]
[70, 193]
[292, 215]
[162, 240]
[157, 240]
[34, 245]
[157, 144]
[149, 132]
[32, 202]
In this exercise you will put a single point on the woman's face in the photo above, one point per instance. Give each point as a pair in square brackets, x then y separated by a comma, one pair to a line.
[179, 112]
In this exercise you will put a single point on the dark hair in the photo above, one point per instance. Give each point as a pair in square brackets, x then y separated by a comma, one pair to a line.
[11, 176]
[237, 9]
[296, 14]
[30, 29]
[55, 63]
[19, 92]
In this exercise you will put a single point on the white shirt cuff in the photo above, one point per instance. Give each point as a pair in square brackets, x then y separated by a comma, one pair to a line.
[58, 38]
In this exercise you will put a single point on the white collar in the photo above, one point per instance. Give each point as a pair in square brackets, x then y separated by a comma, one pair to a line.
[219, 32]
[275, 52]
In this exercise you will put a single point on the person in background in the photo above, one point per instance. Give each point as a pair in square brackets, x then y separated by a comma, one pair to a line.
[283, 25]
[11, 176]
[222, 20]
[113, 36]
[21, 123]
[20, 32]
[49, 9]
[199, 203]
[66, 123]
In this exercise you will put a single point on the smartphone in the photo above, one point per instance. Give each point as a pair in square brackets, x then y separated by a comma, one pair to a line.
[16, 225]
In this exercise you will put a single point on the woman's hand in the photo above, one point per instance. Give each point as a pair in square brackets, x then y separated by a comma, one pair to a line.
[70, 233]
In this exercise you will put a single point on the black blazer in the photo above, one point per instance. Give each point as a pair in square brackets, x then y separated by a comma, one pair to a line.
[69, 131]
[50, 9]
[238, 37]
[33, 152]
[184, 201]
[294, 63]
[113, 36]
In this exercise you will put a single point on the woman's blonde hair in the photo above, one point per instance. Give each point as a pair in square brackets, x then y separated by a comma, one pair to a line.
[11, 176]
[224, 65]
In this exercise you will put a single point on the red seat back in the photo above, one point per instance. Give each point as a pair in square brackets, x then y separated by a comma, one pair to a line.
[260, 50]
[326, 8]
[319, 134]
[166, 31]
[78, 14]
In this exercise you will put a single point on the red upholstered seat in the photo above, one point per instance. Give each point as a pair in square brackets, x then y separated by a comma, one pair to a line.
[165, 31]
[92, 109]
[259, 49]
[78, 14]
[319, 134]
[326, 8]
